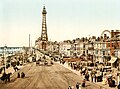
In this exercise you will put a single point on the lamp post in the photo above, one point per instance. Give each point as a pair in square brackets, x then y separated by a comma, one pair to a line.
[5, 48]
[93, 53]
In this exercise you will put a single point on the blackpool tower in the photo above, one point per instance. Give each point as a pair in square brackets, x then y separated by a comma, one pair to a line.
[41, 42]
[44, 36]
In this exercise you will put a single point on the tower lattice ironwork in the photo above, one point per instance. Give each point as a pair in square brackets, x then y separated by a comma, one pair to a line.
[44, 36]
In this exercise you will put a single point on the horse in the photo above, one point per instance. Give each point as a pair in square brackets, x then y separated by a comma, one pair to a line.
[6, 77]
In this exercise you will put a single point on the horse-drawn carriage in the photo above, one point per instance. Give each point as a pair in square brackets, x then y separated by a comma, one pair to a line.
[6, 77]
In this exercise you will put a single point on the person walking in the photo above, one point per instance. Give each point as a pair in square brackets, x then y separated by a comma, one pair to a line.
[87, 76]
[69, 87]
[18, 76]
[83, 83]
[118, 85]
[80, 86]
[77, 85]
[22, 75]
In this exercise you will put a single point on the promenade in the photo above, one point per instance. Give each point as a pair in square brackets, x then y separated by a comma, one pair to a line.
[65, 74]
[101, 86]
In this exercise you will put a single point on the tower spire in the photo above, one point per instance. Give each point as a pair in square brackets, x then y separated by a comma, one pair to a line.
[44, 36]
[44, 10]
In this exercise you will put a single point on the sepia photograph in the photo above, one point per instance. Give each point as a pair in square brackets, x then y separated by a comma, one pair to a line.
[59, 44]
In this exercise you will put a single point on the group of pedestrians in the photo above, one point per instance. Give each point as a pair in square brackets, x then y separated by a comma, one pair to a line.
[94, 75]
[15, 68]
[22, 75]
[78, 85]
[74, 66]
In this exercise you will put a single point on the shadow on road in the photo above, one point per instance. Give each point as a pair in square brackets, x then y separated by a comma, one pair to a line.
[13, 80]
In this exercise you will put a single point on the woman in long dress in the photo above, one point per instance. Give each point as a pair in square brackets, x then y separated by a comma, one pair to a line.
[80, 86]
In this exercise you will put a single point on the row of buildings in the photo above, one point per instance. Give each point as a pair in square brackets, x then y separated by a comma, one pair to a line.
[101, 49]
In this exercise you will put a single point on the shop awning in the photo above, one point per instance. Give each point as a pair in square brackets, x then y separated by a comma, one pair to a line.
[113, 59]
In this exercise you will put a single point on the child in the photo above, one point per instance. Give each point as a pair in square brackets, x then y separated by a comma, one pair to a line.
[22, 75]
[18, 75]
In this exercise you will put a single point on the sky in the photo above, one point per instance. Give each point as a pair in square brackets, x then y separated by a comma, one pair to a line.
[66, 19]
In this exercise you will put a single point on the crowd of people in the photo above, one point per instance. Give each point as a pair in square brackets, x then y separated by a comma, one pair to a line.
[78, 85]
[94, 75]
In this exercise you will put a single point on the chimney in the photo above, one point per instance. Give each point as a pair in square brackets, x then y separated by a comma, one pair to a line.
[117, 32]
[105, 37]
[93, 37]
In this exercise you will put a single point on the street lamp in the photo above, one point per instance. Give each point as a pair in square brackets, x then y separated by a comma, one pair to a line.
[5, 50]
[93, 53]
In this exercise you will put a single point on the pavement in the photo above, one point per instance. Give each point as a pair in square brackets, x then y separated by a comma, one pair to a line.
[44, 77]
[78, 73]
[10, 69]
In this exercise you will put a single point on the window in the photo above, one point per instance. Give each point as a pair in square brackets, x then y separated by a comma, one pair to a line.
[96, 51]
[103, 52]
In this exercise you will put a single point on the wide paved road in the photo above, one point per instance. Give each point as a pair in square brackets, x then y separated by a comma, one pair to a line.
[45, 77]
